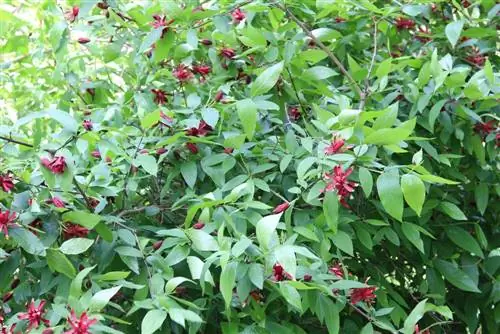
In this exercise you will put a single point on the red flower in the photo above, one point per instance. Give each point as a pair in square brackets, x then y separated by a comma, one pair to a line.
[466, 4]
[280, 208]
[279, 273]
[161, 150]
[202, 130]
[202, 69]
[476, 58]
[72, 14]
[199, 225]
[228, 150]
[74, 231]
[228, 53]
[363, 294]
[238, 15]
[335, 146]
[83, 40]
[6, 183]
[159, 21]
[58, 203]
[160, 96]
[218, 96]
[484, 129]
[337, 270]
[56, 165]
[81, 325]
[34, 315]
[87, 124]
[7, 219]
[307, 278]
[339, 183]
[402, 23]
[182, 73]
[206, 42]
[294, 113]
[192, 147]
[96, 154]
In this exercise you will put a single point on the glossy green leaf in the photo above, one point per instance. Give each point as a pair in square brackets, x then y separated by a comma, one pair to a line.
[267, 79]
[390, 193]
[413, 191]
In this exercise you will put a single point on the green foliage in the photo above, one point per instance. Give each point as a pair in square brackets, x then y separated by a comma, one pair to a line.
[334, 169]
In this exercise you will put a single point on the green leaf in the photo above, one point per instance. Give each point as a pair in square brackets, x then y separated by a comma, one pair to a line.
[203, 241]
[384, 68]
[163, 46]
[102, 298]
[343, 242]
[415, 315]
[436, 179]
[481, 195]
[57, 261]
[488, 72]
[455, 276]
[256, 275]
[150, 39]
[28, 241]
[265, 229]
[152, 321]
[318, 73]
[452, 210]
[331, 210]
[304, 166]
[227, 282]
[75, 290]
[414, 192]
[65, 119]
[453, 31]
[75, 246]
[291, 295]
[266, 80]
[113, 276]
[86, 219]
[390, 193]
[464, 240]
[366, 179]
[150, 119]
[412, 232]
[391, 136]
[247, 112]
[148, 162]
[174, 283]
[189, 172]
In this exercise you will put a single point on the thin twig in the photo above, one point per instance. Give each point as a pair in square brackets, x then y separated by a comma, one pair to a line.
[139, 209]
[295, 89]
[370, 69]
[80, 190]
[16, 141]
[322, 46]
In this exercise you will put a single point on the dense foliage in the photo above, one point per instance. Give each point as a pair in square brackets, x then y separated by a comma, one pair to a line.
[321, 166]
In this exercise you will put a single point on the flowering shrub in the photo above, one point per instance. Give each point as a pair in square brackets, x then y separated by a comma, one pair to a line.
[249, 167]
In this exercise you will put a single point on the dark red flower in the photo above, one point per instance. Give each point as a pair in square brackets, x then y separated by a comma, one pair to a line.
[161, 150]
[466, 4]
[6, 183]
[238, 15]
[228, 150]
[218, 96]
[307, 278]
[192, 147]
[93, 202]
[8, 296]
[7, 219]
[96, 154]
[363, 294]
[83, 40]
[202, 130]
[182, 73]
[79, 325]
[160, 96]
[87, 124]
[337, 270]
[476, 58]
[335, 146]
[340, 183]
[199, 225]
[206, 42]
[34, 315]
[279, 273]
[157, 244]
[228, 53]
[282, 207]
[485, 128]
[58, 203]
[159, 21]
[402, 23]
[72, 14]
[202, 69]
[294, 113]
[56, 165]
[74, 231]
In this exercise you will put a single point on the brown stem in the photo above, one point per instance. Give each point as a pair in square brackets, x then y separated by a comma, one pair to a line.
[322, 46]
[10, 140]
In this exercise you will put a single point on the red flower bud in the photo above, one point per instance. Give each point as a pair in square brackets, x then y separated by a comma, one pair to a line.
[7, 296]
[218, 96]
[206, 42]
[280, 208]
[15, 283]
[161, 150]
[87, 124]
[199, 225]
[157, 244]
[83, 40]
[307, 278]
[144, 151]
[228, 150]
